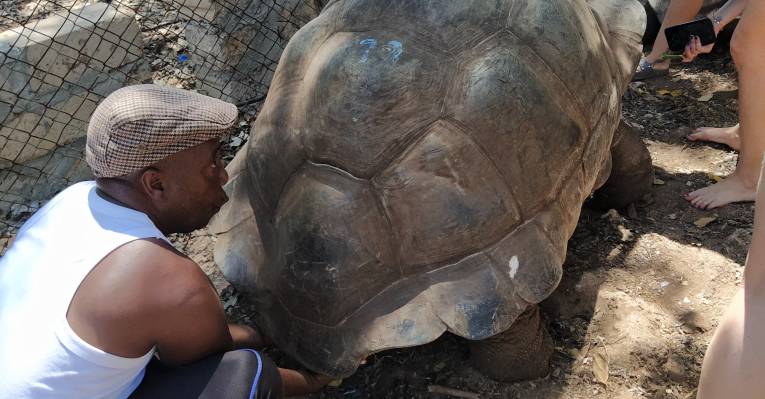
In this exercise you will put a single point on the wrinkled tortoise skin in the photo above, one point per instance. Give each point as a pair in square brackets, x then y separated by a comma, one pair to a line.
[418, 167]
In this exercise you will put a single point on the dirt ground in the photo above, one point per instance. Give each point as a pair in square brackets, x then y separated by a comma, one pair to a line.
[643, 288]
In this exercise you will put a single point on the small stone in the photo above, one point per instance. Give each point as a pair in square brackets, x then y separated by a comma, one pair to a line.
[625, 232]
[693, 322]
[439, 366]
[612, 215]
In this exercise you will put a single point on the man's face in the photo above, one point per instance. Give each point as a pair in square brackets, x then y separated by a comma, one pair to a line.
[193, 181]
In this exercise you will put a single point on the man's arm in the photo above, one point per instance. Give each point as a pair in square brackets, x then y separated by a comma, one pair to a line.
[146, 294]
[190, 322]
[244, 336]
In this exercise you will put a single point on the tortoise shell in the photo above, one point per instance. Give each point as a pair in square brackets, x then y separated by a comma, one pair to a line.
[418, 167]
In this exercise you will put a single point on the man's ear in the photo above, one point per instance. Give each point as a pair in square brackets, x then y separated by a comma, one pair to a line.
[152, 183]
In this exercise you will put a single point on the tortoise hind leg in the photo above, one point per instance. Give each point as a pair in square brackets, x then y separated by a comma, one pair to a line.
[631, 171]
[521, 353]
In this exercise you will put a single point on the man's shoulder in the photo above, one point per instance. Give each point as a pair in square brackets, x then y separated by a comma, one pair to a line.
[129, 300]
[151, 265]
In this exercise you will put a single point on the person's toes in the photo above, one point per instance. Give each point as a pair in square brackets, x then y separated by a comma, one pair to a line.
[723, 135]
[730, 190]
[706, 203]
[699, 201]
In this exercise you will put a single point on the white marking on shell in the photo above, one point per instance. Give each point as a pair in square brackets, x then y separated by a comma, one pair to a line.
[513, 266]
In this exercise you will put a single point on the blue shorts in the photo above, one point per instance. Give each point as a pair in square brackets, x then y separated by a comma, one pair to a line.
[243, 373]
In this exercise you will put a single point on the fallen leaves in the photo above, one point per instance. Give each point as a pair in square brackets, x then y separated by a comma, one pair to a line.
[703, 222]
[600, 365]
[714, 177]
[669, 93]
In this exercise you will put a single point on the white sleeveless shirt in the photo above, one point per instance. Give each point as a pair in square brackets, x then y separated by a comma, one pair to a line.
[40, 355]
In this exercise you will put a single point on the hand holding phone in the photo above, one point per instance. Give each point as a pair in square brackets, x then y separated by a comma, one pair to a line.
[679, 36]
[694, 48]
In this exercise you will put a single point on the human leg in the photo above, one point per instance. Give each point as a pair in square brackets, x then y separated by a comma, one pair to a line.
[749, 56]
[241, 373]
[735, 361]
[679, 11]
[723, 135]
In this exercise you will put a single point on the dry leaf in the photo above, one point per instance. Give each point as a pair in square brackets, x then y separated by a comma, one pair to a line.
[703, 222]
[600, 366]
[714, 177]
[705, 97]
[658, 182]
[673, 93]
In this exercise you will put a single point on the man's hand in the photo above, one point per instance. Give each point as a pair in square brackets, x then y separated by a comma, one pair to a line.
[302, 382]
[244, 336]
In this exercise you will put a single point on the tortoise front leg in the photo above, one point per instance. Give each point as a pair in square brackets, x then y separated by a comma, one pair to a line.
[631, 171]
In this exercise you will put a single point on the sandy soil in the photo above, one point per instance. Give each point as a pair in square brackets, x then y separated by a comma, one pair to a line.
[644, 287]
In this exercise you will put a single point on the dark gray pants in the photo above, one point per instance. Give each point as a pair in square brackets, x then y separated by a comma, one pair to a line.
[243, 373]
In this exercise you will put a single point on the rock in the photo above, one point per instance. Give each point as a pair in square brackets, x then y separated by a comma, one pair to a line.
[241, 53]
[55, 71]
[740, 237]
[694, 322]
[675, 368]
[682, 132]
[613, 216]
[626, 234]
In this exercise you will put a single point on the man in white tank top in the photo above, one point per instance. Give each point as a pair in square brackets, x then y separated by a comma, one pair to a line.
[91, 290]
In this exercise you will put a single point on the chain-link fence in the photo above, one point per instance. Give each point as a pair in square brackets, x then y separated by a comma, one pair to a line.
[58, 59]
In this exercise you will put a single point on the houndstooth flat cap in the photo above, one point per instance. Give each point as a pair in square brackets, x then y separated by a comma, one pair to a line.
[137, 126]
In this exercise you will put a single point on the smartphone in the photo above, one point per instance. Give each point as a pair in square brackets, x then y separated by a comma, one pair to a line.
[678, 36]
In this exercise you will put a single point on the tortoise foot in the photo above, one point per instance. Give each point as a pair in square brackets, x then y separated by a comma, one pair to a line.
[631, 172]
[521, 353]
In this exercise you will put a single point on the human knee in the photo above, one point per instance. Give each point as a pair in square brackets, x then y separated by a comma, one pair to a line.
[242, 359]
[744, 49]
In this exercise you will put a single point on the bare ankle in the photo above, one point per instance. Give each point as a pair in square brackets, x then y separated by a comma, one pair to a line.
[748, 181]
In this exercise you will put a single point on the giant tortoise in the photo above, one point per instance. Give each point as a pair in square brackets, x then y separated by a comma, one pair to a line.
[418, 167]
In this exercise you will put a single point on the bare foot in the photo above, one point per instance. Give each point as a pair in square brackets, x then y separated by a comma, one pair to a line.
[723, 135]
[732, 189]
